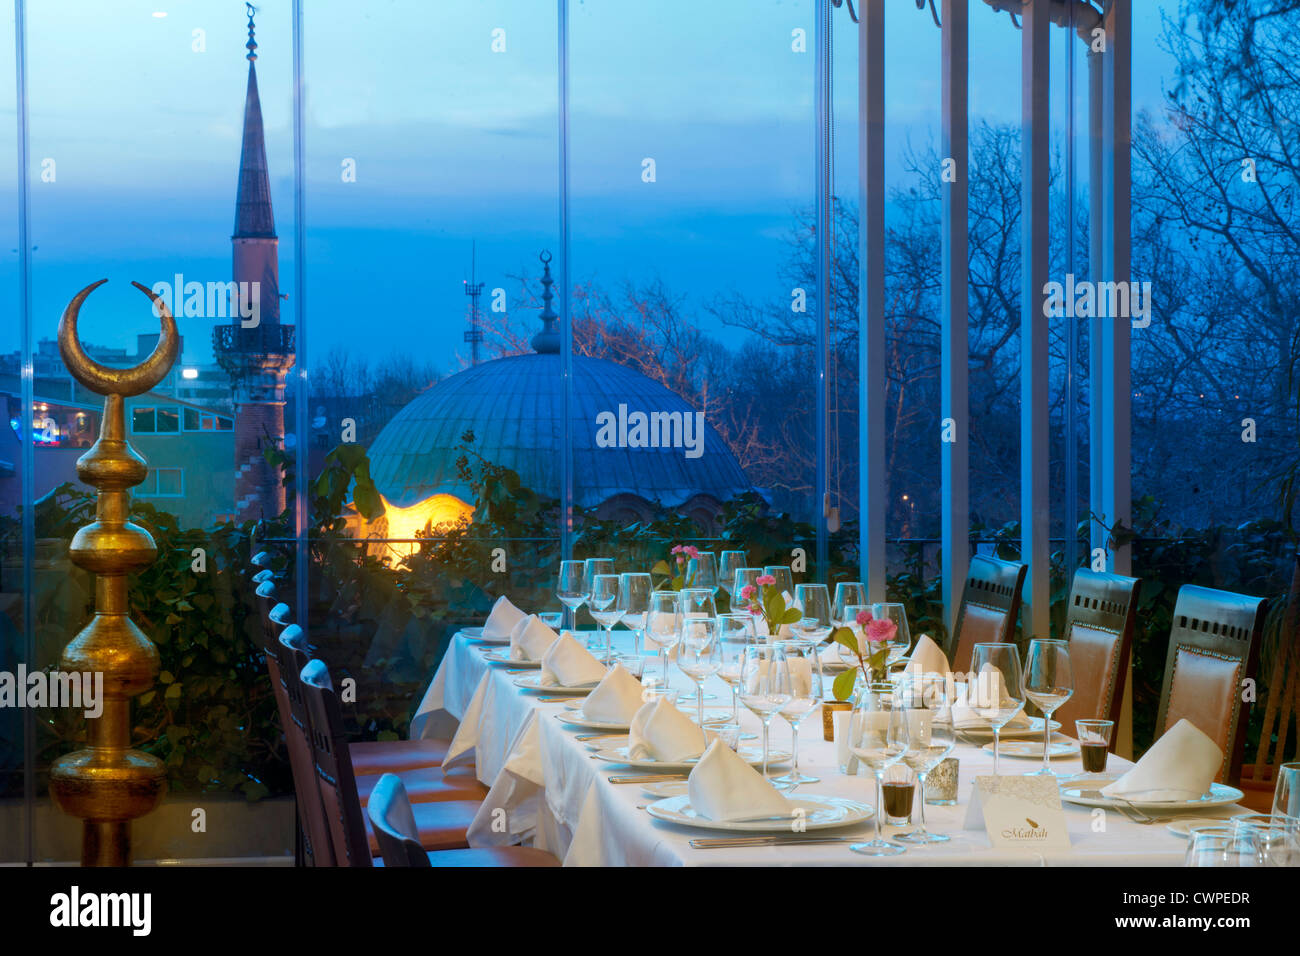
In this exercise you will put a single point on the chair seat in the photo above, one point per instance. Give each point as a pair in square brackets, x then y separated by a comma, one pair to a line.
[442, 825]
[394, 756]
[429, 784]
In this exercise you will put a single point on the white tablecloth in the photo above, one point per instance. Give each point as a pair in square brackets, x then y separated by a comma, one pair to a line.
[548, 790]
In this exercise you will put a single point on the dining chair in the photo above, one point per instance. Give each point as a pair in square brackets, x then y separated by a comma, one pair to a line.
[393, 821]
[990, 604]
[1213, 649]
[1099, 624]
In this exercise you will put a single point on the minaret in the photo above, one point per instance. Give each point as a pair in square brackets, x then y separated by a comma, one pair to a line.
[254, 347]
[547, 341]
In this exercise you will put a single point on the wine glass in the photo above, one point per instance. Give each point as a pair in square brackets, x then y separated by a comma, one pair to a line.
[902, 640]
[703, 571]
[764, 686]
[744, 578]
[735, 633]
[805, 667]
[698, 602]
[728, 564]
[878, 736]
[1275, 839]
[851, 613]
[928, 704]
[847, 594]
[814, 604]
[573, 588]
[784, 579]
[1048, 683]
[699, 654]
[996, 692]
[1219, 846]
[1286, 793]
[663, 624]
[634, 604]
[603, 602]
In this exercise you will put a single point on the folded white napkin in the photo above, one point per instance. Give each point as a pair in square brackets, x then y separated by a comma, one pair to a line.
[723, 787]
[981, 700]
[1181, 765]
[616, 698]
[531, 639]
[927, 658]
[660, 731]
[569, 664]
[501, 620]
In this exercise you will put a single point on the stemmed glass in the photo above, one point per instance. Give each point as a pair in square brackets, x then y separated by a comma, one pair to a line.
[784, 579]
[698, 603]
[735, 633]
[603, 600]
[663, 624]
[805, 667]
[703, 571]
[728, 564]
[814, 603]
[847, 594]
[743, 578]
[597, 566]
[634, 604]
[902, 641]
[699, 654]
[996, 691]
[878, 736]
[928, 705]
[1048, 683]
[765, 686]
[573, 588]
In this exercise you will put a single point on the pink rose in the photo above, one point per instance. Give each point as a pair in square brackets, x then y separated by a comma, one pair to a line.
[692, 551]
[747, 592]
[864, 617]
[764, 580]
[880, 631]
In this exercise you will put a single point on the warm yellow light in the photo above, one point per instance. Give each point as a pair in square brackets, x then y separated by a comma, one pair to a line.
[439, 511]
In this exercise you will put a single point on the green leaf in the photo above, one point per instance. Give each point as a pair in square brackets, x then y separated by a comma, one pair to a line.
[367, 500]
[662, 568]
[165, 677]
[792, 615]
[847, 638]
[844, 682]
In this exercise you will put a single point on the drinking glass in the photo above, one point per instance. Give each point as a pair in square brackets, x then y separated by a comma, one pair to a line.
[878, 735]
[851, 612]
[1286, 794]
[764, 686]
[735, 633]
[698, 602]
[925, 698]
[663, 624]
[633, 604]
[573, 588]
[806, 688]
[603, 602]
[996, 692]
[596, 566]
[902, 642]
[814, 604]
[1048, 683]
[699, 655]
[728, 564]
[1275, 839]
[1219, 846]
[1094, 743]
[784, 579]
[743, 578]
[704, 568]
[552, 619]
[847, 594]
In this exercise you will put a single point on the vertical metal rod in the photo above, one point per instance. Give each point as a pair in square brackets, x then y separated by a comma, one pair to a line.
[566, 317]
[302, 519]
[27, 464]
[955, 359]
[872, 483]
[1072, 324]
[825, 250]
[1098, 400]
[1035, 508]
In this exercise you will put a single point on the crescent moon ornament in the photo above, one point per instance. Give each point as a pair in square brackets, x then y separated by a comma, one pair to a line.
[103, 379]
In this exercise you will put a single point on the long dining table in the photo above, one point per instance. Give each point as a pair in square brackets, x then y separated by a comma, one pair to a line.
[549, 790]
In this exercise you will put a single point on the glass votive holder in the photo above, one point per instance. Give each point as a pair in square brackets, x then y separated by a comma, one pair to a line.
[633, 665]
[728, 733]
[941, 783]
[552, 619]
[897, 793]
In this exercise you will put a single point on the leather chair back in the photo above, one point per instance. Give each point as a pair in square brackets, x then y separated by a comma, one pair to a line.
[990, 603]
[393, 821]
[1213, 648]
[1099, 627]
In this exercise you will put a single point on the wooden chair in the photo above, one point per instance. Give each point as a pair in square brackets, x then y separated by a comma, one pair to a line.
[395, 828]
[1213, 648]
[990, 603]
[1099, 627]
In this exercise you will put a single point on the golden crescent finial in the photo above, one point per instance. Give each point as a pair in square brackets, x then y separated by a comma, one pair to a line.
[103, 379]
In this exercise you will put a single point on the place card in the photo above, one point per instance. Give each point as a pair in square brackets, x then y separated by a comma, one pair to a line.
[1019, 813]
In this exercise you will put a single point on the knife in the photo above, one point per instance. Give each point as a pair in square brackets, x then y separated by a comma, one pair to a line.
[646, 777]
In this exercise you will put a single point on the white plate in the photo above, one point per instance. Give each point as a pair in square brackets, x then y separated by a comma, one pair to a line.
[752, 756]
[1035, 729]
[606, 742]
[1182, 825]
[1033, 749]
[665, 788]
[1220, 795]
[819, 813]
[498, 657]
[574, 718]
[532, 682]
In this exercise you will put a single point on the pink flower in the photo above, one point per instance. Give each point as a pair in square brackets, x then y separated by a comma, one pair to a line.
[864, 617]
[692, 551]
[747, 592]
[765, 579]
[880, 631]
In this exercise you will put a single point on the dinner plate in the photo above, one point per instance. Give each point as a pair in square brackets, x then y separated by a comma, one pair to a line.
[1033, 749]
[1035, 729]
[606, 742]
[665, 788]
[818, 813]
[533, 682]
[751, 755]
[1220, 795]
[497, 657]
[574, 718]
[1182, 825]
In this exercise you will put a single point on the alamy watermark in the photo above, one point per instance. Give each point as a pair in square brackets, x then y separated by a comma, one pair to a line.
[82, 691]
[212, 300]
[651, 430]
[1106, 300]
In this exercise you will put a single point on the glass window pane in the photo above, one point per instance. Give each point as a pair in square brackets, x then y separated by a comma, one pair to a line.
[168, 419]
[142, 420]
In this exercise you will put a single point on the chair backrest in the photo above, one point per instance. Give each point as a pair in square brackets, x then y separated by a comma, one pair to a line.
[284, 668]
[1099, 626]
[334, 775]
[990, 603]
[1213, 648]
[393, 821]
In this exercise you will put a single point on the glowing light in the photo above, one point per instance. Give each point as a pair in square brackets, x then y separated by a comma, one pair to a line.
[440, 511]
[189, 373]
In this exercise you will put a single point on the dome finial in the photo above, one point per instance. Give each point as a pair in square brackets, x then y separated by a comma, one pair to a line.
[252, 43]
[547, 341]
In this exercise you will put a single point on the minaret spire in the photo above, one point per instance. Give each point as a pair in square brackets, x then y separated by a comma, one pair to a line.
[547, 341]
[253, 216]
